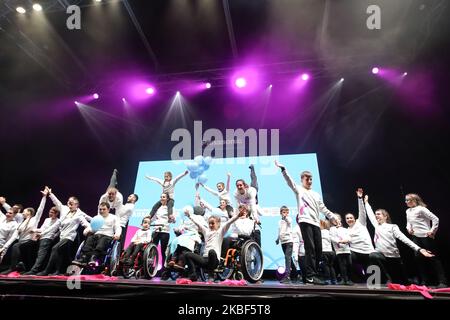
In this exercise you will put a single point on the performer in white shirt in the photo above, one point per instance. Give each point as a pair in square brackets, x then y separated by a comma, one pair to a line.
[286, 238]
[387, 255]
[422, 225]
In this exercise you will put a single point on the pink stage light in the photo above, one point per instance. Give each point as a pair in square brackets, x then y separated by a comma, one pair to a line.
[240, 82]
[150, 90]
[207, 85]
[375, 70]
[305, 76]
[95, 96]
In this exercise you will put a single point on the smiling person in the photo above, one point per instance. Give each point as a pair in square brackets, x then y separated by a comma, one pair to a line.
[422, 225]
[310, 205]
[387, 255]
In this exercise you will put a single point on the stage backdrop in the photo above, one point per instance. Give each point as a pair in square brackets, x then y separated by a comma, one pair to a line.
[273, 192]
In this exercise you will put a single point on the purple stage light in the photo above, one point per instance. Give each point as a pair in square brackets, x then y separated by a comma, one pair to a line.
[240, 82]
[405, 73]
[95, 96]
[207, 85]
[150, 90]
[305, 76]
[375, 70]
[76, 102]
[270, 86]
[123, 99]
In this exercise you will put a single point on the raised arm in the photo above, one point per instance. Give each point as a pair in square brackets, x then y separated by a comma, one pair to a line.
[362, 216]
[227, 187]
[212, 191]
[40, 210]
[228, 224]
[4, 204]
[158, 181]
[287, 177]
[58, 204]
[201, 227]
[178, 178]
[370, 213]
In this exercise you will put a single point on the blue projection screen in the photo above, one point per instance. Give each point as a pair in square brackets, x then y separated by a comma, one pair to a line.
[272, 194]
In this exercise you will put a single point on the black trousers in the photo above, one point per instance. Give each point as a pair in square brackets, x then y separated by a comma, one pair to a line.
[163, 239]
[301, 264]
[312, 239]
[424, 263]
[60, 253]
[391, 268]
[132, 251]
[194, 260]
[328, 259]
[95, 245]
[156, 206]
[123, 236]
[345, 265]
[288, 262]
[360, 263]
[43, 254]
[23, 251]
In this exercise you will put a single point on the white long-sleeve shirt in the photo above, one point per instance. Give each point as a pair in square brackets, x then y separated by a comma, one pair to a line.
[421, 221]
[299, 245]
[309, 203]
[242, 227]
[168, 186]
[211, 211]
[162, 217]
[124, 212]
[70, 221]
[111, 226]
[142, 236]
[326, 241]
[338, 234]
[25, 230]
[7, 229]
[285, 230]
[222, 195]
[49, 229]
[360, 240]
[63, 209]
[214, 238]
[19, 215]
[385, 235]
[116, 204]
[248, 198]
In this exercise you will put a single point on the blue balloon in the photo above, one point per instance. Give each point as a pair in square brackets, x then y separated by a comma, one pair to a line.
[97, 222]
[198, 159]
[205, 166]
[192, 166]
[194, 174]
[208, 160]
[200, 170]
[202, 178]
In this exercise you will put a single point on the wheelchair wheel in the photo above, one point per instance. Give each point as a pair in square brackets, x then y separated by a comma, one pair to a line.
[74, 270]
[78, 254]
[138, 274]
[150, 261]
[114, 258]
[127, 272]
[226, 273]
[251, 258]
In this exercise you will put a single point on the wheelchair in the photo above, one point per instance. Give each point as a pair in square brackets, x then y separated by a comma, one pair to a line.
[107, 265]
[145, 265]
[243, 260]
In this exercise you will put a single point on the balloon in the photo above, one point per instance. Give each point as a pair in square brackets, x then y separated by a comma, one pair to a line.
[205, 166]
[192, 166]
[202, 178]
[198, 159]
[200, 170]
[208, 160]
[194, 174]
[97, 222]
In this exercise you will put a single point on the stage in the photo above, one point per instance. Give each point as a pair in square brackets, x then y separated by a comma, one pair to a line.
[28, 288]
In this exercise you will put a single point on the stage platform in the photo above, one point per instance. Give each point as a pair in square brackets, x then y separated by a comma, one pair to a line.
[42, 288]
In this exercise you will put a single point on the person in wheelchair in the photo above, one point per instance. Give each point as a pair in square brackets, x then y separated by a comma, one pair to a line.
[96, 244]
[213, 244]
[243, 228]
[188, 237]
[140, 238]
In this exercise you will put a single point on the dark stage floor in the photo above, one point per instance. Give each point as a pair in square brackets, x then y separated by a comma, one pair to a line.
[121, 289]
